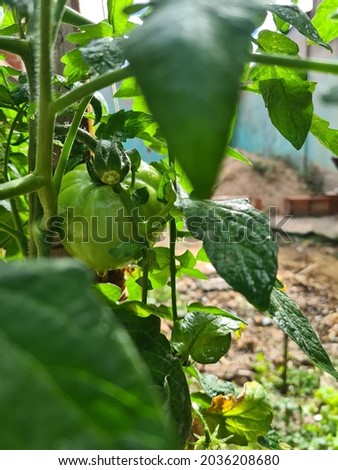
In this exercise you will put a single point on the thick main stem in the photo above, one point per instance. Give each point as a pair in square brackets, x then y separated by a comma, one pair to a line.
[46, 116]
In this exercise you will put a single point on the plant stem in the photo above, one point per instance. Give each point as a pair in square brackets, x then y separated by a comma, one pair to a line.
[46, 116]
[172, 251]
[326, 66]
[172, 248]
[284, 388]
[21, 237]
[82, 135]
[14, 45]
[24, 185]
[10, 230]
[145, 269]
[89, 88]
[74, 18]
[68, 144]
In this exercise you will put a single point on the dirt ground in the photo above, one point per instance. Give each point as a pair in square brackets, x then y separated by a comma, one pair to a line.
[308, 269]
[310, 273]
[268, 179]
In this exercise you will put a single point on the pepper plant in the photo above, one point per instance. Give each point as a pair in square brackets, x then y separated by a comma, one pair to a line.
[80, 367]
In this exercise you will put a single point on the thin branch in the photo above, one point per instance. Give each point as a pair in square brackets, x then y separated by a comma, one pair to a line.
[89, 88]
[21, 238]
[68, 144]
[326, 66]
[24, 185]
[82, 135]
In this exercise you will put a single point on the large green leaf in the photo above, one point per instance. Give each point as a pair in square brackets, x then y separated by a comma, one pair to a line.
[295, 324]
[203, 336]
[286, 92]
[165, 368]
[324, 134]
[293, 15]
[246, 416]
[89, 32]
[327, 26]
[238, 242]
[188, 59]
[117, 18]
[128, 124]
[70, 377]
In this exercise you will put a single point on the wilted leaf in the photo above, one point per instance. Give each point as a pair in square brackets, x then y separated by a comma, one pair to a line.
[245, 416]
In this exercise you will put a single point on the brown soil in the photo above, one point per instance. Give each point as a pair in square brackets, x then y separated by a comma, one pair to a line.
[268, 179]
[310, 273]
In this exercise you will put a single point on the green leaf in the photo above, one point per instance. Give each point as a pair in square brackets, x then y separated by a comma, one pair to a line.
[128, 124]
[5, 97]
[294, 323]
[192, 272]
[89, 32]
[190, 76]
[128, 89]
[103, 55]
[323, 21]
[144, 311]
[286, 92]
[245, 416]
[166, 369]
[203, 336]
[272, 441]
[117, 18]
[187, 259]
[109, 291]
[293, 15]
[128, 250]
[76, 68]
[70, 377]
[213, 386]
[238, 242]
[324, 134]
[233, 153]
[198, 307]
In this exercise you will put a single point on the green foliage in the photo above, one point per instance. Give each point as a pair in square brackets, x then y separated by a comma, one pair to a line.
[76, 365]
[245, 416]
[64, 355]
[324, 21]
[193, 94]
[238, 242]
[203, 336]
[293, 15]
[286, 92]
[295, 324]
[116, 15]
[166, 369]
